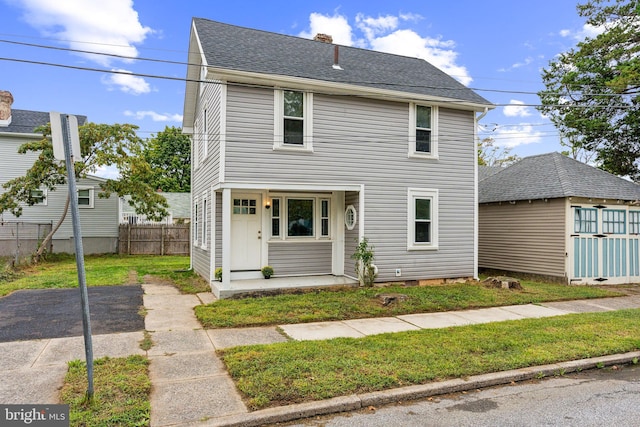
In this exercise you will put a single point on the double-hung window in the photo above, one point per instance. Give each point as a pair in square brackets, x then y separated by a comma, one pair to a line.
[423, 131]
[85, 197]
[422, 227]
[38, 197]
[293, 120]
[205, 231]
[196, 222]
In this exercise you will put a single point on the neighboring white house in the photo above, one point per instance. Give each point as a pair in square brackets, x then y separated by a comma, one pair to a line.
[301, 148]
[98, 216]
[179, 210]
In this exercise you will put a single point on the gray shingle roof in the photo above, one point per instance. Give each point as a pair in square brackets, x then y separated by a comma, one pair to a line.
[25, 121]
[487, 171]
[553, 175]
[245, 49]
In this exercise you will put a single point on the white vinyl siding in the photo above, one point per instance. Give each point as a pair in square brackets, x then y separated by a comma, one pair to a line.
[208, 170]
[364, 142]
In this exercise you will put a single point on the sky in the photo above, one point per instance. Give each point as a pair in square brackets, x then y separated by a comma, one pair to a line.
[496, 47]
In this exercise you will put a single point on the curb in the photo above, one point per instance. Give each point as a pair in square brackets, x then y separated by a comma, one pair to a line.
[355, 402]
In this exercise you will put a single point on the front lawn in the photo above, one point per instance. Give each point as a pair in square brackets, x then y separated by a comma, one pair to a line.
[121, 392]
[357, 303]
[60, 271]
[298, 371]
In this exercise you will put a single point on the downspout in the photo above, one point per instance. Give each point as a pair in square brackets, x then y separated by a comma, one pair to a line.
[475, 193]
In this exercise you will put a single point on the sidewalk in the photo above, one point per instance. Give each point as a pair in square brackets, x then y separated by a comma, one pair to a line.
[192, 387]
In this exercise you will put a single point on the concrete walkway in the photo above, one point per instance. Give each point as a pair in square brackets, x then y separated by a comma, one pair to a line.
[190, 385]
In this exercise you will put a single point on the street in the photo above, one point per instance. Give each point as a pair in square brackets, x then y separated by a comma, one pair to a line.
[600, 397]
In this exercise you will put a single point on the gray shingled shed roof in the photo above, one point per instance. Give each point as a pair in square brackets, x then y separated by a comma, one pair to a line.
[553, 175]
[25, 121]
[245, 49]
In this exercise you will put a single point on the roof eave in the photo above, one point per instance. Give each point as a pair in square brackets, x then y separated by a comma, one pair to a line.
[315, 85]
[195, 59]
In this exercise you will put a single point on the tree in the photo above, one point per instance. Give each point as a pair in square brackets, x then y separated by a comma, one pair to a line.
[169, 155]
[101, 145]
[490, 154]
[591, 90]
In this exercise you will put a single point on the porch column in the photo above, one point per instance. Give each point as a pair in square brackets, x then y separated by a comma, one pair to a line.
[226, 239]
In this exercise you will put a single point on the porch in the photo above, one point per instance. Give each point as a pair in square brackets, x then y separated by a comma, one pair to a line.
[261, 285]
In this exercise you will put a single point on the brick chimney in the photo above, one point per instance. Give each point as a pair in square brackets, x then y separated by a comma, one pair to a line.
[6, 99]
[325, 38]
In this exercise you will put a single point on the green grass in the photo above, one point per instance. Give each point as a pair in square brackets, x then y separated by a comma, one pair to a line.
[356, 303]
[121, 393]
[60, 271]
[298, 371]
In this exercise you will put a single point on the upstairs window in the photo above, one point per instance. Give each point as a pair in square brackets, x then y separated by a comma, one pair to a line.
[293, 117]
[293, 120]
[423, 131]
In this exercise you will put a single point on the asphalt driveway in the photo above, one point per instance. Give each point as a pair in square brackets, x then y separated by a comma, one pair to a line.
[57, 313]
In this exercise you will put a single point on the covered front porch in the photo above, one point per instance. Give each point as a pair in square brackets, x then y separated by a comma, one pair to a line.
[275, 283]
[305, 232]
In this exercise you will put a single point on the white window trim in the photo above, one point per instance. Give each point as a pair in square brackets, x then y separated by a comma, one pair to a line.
[196, 222]
[91, 197]
[422, 193]
[412, 132]
[278, 122]
[205, 207]
[205, 135]
[317, 218]
[44, 201]
[354, 212]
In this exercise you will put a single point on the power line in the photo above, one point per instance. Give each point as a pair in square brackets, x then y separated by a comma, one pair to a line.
[165, 61]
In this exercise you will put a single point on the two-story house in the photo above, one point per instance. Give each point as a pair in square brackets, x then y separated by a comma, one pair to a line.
[99, 216]
[301, 148]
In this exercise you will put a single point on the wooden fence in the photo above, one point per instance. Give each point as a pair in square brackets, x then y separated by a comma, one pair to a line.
[154, 239]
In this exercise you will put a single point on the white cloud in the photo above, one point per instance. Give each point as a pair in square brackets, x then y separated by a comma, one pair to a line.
[107, 172]
[587, 30]
[372, 27]
[516, 109]
[156, 117]
[126, 82]
[336, 26]
[383, 34]
[102, 26]
[513, 136]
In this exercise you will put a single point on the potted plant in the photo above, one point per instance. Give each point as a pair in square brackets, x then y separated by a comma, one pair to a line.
[218, 274]
[267, 271]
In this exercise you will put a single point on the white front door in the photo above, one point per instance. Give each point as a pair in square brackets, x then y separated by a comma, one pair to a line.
[246, 231]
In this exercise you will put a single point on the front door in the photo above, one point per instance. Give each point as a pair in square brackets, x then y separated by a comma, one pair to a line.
[246, 231]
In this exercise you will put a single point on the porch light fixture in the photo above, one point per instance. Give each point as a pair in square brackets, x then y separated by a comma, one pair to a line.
[267, 206]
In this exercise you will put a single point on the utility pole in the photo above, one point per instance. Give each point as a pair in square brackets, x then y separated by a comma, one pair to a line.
[66, 144]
